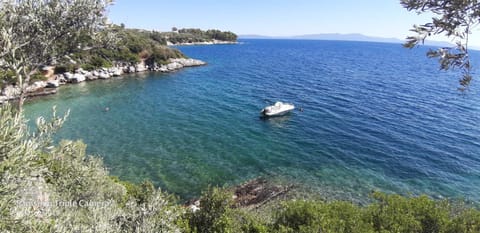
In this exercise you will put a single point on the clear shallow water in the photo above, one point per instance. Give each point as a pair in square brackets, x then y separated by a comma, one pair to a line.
[376, 116]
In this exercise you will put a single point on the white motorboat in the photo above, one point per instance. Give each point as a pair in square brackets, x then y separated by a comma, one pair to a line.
[278, 109]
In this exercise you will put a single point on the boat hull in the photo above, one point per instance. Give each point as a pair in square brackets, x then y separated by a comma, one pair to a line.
[278, 109]
[276, 114]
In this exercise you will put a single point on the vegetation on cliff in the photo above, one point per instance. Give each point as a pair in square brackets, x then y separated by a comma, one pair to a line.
[195, 35]
[131, 46]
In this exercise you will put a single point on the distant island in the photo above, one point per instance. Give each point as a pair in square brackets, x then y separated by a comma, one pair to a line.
[343, 37]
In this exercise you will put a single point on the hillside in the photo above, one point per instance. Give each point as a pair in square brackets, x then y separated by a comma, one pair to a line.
[135, 45]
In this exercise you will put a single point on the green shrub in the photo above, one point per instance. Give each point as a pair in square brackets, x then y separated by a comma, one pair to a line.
[215, 214]
[99, 62]
[64, 68]
[248, 222]
[161, 55]
[467, 221]
[315, 216]
[88, 67]
[38, 77]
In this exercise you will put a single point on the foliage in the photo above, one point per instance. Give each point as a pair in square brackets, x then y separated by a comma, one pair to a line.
[35, 33]
[37, 77]
[58, 188]
[19, 166]
[454, 19]
[219, 35]
[156, 213]
[133, 46]
[215, 214]
[315, 216]
[387, 213]
[191, 35]
[60, 69]
[394, 213]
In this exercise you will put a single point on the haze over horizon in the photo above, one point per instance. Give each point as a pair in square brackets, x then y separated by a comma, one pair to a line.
[280, 18]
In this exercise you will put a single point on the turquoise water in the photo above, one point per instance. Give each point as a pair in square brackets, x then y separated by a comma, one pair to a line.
[376, 117]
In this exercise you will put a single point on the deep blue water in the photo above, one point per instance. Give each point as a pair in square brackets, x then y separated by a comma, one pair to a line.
[376, 117]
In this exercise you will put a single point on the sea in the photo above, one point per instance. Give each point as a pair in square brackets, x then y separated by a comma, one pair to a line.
[376, 117]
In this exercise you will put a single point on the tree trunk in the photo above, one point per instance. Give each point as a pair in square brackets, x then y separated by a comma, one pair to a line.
[23, 89]
[21, 100]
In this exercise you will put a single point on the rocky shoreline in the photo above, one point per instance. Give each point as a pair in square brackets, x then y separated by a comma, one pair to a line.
[213, 42]
[42, 88]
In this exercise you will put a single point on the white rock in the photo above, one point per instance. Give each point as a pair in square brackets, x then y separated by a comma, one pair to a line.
[77, 78]
[188, 62]
[40, 84]
[95, 73]
[68, 76]
[174, 66]
[140, 68]
[53, 83]
[61, 79]
[118, 72]
[163, 68]
[103, 75]
[36, 86]
[91, 76]
[131, 69]
[81, 71]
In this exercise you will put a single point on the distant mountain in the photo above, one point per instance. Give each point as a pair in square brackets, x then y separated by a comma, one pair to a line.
[344, 37]
[252, 36]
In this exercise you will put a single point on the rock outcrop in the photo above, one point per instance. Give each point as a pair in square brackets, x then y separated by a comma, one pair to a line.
[178, 63]
[251, 194]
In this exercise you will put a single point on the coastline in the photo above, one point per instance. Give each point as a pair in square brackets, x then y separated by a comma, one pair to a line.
[213, 42]
[49, 87]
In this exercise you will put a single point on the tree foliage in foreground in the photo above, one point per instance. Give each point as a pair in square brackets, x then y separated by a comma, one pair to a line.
[455, 19]
[40, 32]
[46, 187]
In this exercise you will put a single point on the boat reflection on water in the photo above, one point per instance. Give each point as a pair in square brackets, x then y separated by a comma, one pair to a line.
[278, 121]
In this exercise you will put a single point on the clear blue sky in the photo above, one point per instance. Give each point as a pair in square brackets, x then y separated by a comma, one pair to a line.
[384, 18]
